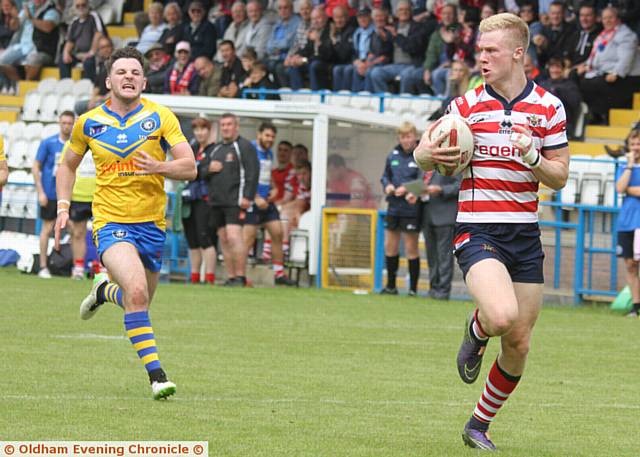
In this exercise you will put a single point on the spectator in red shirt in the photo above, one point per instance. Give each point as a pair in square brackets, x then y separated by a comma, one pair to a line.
[280, 173]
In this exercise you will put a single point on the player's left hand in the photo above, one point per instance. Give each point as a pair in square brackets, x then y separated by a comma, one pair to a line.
[245, 203]
[261, 203]
[146, 164]
[61, 223]
[522, 139]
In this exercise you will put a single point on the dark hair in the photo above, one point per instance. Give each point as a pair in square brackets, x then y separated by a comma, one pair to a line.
[555, 61]
[336, 160]
[267, 126]
[229, 42]
[303, 147]
[201, 122]
[67, 113]
[303, 164]
[558, 3]
[124, 53]
[587, 4]
[286, 143]
[259, 66]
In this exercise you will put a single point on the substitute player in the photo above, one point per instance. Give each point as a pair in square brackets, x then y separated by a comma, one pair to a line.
[263, 211]
[520, 140]
[128, 138]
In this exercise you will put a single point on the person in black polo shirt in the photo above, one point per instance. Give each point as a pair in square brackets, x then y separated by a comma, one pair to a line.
[402, 211]
[233, 73]
[232, 171]
[82, 37]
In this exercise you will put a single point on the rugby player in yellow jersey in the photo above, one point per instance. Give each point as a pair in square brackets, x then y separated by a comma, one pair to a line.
[80, 210]
[128, 137]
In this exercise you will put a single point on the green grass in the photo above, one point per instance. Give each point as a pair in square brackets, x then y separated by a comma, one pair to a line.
[266, 372]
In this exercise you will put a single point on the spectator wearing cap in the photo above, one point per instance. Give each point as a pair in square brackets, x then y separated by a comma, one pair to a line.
[409, 40]
[153, 32]
[232, 72]
[82, 37]
[158, 61]
[294, 57]
[173, 32]
[181, 77]
[237, 30]
[258, 30]
[345, 76]
[210, 74]
[281, 38]
[199, 32]
[315, 57]
[612, 71]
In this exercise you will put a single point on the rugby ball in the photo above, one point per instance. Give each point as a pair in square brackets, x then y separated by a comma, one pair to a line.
[458, 134]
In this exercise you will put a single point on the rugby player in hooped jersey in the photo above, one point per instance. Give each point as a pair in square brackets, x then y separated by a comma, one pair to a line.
[520, 140]
[128, 137]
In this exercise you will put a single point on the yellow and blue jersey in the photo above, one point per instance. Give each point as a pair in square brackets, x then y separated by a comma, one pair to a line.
[123, 193]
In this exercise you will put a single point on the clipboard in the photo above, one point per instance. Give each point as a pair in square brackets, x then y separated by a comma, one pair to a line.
[416, 187]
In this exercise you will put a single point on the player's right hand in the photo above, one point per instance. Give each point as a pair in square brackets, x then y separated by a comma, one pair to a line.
[429, 151]
[61, 223]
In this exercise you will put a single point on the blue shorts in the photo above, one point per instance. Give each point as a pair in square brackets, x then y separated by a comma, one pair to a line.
[517, 246]
[146, 237]
[257, 216]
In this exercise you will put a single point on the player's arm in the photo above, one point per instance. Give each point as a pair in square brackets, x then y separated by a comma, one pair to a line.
[429, 153]
[551, 168]
[182, 167]
[65, 179]
[4, 172]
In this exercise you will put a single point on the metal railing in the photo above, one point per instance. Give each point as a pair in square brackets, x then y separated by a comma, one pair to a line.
[323, 94]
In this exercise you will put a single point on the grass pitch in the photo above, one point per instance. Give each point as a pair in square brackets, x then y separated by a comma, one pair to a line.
[275, 372]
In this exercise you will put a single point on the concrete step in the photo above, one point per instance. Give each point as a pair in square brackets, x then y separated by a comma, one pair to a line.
[125, 32]
[592, 149]
[606, 132]
[623, 117]
[53, 72]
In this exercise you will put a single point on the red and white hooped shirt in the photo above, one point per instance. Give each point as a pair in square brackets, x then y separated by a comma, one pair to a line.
[498, 186]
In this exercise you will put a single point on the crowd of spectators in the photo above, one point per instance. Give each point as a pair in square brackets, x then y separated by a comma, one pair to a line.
[579, 50]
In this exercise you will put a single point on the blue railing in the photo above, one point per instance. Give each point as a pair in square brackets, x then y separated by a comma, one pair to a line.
[585, 232]
[323, 94]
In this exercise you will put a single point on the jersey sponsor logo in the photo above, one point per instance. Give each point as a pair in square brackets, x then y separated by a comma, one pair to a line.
[476, 119]
[395, 163]
[229, 157]
[122, 138]
[498, 151]
[121, 169]
[96, 130]
[120, 234]
[148, 125]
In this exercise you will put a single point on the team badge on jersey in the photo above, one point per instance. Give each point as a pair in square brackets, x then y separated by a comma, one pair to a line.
[534, 121]
[148, 125]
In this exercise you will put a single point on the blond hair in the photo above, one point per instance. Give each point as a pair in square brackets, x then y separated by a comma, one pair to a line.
[406, 127]
[511, 23]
